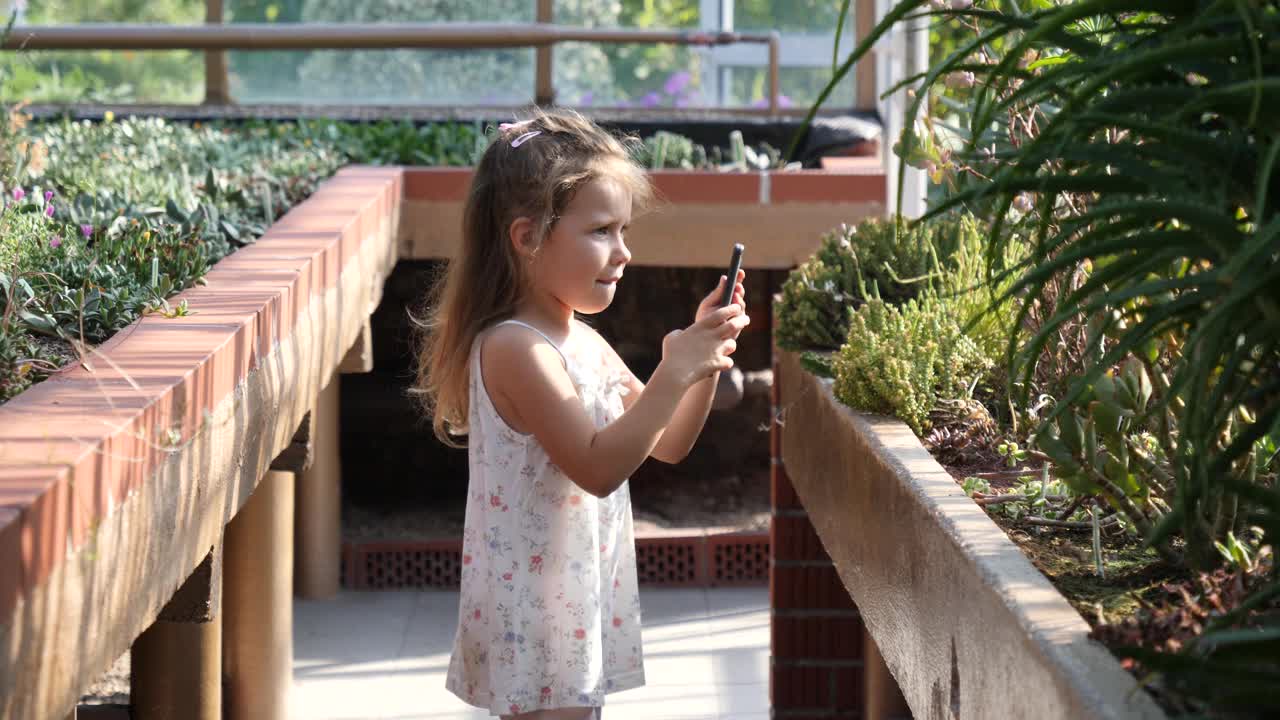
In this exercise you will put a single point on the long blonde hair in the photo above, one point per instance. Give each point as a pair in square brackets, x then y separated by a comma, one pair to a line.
[520, 175]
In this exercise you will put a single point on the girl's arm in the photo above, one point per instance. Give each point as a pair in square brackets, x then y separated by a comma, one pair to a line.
[526, 374]
[687, 421]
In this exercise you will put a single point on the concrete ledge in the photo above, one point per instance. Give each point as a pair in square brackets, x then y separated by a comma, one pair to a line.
[968, 627]
[116, 481]
[779, 216]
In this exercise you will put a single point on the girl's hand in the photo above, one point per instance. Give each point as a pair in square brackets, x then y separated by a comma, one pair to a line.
[702, 349]
[711, 303]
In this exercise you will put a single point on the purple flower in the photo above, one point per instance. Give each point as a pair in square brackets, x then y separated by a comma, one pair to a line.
[48, 211]
[48, 195]
[19, 193]
[55, 241]
[651, 100]
[86, 230]
[677, 82]
[783, 102]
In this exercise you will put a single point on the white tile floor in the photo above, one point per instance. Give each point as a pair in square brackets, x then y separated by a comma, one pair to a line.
[384, 655]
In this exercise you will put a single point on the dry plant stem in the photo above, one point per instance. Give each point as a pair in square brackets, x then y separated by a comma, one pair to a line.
[1049, 522]
[1159, 477]
[1159, 389]
[1070, 509]
[38, 363]
[1011, 497]
[1008, 474]
[1117, 496]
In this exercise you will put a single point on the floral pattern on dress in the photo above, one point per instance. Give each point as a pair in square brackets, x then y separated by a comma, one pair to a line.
[549, 611]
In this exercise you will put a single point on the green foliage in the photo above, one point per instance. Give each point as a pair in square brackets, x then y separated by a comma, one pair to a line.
[393, 142]
[896, 259]
[104, 222]
[1132, 144]
[900, 360]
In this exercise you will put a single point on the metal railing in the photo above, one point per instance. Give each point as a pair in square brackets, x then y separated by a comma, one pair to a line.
[215, 37]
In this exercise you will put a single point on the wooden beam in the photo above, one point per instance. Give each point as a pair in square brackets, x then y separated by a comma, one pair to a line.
[299, 453]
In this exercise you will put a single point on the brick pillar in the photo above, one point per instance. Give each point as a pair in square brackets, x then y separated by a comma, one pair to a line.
[816, 668]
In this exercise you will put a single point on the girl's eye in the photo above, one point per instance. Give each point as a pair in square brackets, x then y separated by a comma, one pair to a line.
[602, 230]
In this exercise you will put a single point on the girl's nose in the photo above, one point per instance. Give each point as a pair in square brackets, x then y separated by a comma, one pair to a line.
[621, 254]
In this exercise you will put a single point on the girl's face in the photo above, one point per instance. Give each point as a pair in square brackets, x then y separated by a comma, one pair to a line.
[582, 259]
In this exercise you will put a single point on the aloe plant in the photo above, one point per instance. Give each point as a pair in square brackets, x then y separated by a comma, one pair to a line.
[1134, 143]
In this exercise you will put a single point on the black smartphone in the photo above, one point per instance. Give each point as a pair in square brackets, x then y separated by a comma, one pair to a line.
[731, 280]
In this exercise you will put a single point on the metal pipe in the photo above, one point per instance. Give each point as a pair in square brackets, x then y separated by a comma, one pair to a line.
[775, 49]
[344, 36]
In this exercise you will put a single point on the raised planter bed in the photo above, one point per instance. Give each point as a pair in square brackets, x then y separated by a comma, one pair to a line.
[780, 216]
[964, 622]
[117, 480]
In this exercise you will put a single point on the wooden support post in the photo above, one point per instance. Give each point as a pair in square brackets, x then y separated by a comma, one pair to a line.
[318, 530]
[864, 19]
[544, 92]
[881, 697]
[176, 664]
[359, 359]
[216, 91]
[257, 650]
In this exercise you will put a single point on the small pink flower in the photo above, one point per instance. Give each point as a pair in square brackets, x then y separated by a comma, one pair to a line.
[506, 576]
[48, 211]
[495, 501]
[580, 633]
[515, 708]
[55, 241]
[19, 193]
[466, 559]
[546, 690]
[477, 614]
[575, 499]
[964, 79]
[86, 230]
[617, 622]
[48, 195]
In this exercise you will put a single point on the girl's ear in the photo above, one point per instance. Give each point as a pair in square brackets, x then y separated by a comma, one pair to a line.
[520, 234]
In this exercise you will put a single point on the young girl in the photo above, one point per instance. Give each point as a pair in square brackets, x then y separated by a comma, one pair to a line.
[549, 620]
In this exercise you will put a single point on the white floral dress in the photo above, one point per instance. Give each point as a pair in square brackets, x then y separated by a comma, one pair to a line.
[550, 611]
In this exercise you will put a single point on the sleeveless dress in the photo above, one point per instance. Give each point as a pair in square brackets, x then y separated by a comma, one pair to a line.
[549, 615]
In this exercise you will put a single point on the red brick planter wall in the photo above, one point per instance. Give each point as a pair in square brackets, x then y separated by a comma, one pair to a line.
[816, 669]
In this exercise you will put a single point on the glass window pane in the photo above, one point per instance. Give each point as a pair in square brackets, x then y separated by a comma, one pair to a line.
[640, 75]
[102, 76]
[416, 77]
[799, 87]
[56, 76]
[787, 16]
[589, 74]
